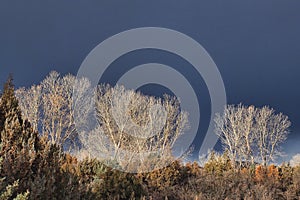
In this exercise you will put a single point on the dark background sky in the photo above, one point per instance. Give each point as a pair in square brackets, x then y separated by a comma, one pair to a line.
[255, 44]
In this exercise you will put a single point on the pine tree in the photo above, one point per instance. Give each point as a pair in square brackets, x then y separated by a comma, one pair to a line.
[14, 131]
[9, 109]
[11, 125]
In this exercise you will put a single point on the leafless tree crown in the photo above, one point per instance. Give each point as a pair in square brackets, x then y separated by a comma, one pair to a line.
[252, 134]
[133, 128]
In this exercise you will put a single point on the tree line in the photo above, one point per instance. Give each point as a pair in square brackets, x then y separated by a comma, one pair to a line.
[248, 133]
[37, 126]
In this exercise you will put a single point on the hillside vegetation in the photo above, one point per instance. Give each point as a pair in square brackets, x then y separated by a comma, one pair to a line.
[38, 164]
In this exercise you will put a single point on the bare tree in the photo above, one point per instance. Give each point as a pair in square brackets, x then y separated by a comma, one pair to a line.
[56, 102]
[230, 129]
[49, 106]
[270, 131]
[250, 133]
[133, 128]
[29, 102]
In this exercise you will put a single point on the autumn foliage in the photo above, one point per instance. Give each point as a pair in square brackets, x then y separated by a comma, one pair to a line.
[32, 167]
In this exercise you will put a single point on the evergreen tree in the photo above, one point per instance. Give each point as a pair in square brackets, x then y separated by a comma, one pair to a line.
[29, 159]
[9, 109]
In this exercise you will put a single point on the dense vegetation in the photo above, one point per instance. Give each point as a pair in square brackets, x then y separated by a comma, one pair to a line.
[35, 167]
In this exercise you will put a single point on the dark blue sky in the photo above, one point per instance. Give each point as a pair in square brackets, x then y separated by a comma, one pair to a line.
[255, 44]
